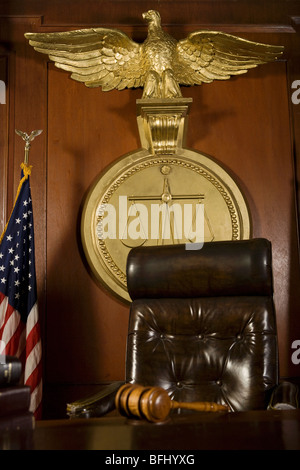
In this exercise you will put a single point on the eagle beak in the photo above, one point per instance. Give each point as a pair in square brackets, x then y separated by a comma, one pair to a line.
[146, 15]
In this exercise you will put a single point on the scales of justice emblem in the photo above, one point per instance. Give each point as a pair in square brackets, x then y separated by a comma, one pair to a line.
[162, 192]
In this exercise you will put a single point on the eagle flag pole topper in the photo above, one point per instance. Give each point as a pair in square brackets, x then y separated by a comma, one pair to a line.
[110, 59]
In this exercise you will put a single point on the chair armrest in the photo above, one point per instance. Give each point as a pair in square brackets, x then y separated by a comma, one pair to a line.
[98, 404]
[284, 397]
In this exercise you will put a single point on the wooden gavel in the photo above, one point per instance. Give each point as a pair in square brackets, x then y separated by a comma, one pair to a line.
[154, 403]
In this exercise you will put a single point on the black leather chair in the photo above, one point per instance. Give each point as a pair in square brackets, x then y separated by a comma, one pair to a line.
[202, 326]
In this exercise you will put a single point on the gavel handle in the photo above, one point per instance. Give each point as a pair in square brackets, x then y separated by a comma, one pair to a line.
[199, 406]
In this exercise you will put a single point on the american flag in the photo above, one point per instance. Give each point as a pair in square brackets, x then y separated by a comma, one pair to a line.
[19, 322]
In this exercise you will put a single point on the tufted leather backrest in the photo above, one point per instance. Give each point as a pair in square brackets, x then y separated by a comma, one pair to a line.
[202, 322]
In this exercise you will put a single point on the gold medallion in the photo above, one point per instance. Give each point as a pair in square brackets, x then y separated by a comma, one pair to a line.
[146, 198]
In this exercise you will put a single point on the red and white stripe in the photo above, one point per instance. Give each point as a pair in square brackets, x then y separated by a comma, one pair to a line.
[23, 340]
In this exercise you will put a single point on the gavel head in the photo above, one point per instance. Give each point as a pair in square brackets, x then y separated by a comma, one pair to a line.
[136, 401]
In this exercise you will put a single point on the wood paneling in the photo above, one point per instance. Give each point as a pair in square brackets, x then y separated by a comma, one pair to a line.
[249, 124]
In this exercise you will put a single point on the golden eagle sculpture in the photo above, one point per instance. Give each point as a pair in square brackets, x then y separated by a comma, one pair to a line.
[110, 59]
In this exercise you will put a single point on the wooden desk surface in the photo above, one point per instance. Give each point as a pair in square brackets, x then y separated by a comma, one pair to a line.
[245, 430]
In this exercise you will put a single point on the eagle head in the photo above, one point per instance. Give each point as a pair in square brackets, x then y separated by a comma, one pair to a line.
[152, 17]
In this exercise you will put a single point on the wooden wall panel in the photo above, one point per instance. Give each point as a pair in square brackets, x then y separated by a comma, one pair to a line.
[249, 124]
[87, 133]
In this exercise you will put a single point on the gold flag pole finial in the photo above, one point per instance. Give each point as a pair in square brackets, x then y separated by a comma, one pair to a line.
[28, 139]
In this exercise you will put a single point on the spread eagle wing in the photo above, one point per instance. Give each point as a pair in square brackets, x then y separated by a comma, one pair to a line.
[96, 56]
[205, 56]
[22, 134]
[26, 137]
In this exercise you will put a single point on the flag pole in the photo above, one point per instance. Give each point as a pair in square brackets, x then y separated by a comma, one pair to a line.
[19, 319]
[28, 139]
